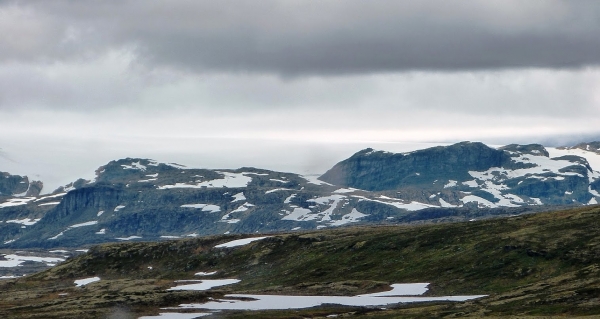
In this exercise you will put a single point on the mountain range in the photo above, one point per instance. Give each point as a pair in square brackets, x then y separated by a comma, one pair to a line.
[136, 199]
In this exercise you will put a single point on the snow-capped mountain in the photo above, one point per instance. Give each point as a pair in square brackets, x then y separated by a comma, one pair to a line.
[141, 199]
[473, 174]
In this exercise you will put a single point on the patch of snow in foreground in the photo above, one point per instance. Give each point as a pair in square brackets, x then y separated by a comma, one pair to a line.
[85, 281]
[174, 315]
[118, 208]
[15, 260]
[239, 242]
[202, 273]
[415, 289]
[274, 302]
[128, 238]
[206, 284]
[101, 231]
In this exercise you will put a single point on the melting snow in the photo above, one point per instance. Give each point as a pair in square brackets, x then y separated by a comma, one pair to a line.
[135, 165]
[275, 302]
[471, 183]
[49, 203]
[128, 238]
[333, 199]
[118, 208]
[50, 196]
[100, 213]
[352, 217]
[55, 237]
[289, 199]
[25, 221]
[444, 203]
[299, 214]
[175, 315]
[15, 260]
[90, 223]
[479, 200]
[230, 180]
[16, 201]
[412, 206]
[277, 190]
[205, 207]
[85, 281]
[240, 242]
[101, 231]
[313, 179]
[451, 183]
[202, 273]
[345, 190]
[238, 197]
[206, 284]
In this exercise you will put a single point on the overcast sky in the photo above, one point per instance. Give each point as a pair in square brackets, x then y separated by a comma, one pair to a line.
[288, 84]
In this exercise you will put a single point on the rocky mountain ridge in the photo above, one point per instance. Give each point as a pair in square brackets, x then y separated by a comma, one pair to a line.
[141, 199]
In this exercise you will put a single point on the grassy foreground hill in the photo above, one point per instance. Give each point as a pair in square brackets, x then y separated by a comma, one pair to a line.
[531, 266]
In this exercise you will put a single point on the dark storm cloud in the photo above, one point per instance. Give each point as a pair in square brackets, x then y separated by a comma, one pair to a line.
[311, 37]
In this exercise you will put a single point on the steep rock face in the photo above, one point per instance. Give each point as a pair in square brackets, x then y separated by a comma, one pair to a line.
[472, 172]
[376, 170]
[13, 184]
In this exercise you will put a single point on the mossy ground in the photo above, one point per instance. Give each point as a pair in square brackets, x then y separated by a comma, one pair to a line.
[532, 266]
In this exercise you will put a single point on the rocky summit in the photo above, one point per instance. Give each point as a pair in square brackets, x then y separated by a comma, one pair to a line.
[473, 173]
[137, 199]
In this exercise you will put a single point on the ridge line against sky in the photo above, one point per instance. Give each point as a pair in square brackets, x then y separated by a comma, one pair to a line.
[82, 81]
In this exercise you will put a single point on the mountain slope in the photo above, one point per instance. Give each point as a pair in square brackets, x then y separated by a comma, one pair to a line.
[467, 172]
[141, 199]
[542, 264]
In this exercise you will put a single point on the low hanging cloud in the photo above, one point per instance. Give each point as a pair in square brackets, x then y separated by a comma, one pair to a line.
[299, 38]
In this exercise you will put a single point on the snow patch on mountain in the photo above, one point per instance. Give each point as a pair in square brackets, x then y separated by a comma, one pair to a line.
[229, 180]
[205, 207]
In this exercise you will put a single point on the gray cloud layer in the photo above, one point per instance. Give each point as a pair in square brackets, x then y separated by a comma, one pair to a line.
[292, 38]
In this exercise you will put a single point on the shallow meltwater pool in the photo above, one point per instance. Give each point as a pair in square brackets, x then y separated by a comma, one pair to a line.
[400, 293]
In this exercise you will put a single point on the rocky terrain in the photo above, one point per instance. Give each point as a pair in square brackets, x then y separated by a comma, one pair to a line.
[136, 199]
[541, 265]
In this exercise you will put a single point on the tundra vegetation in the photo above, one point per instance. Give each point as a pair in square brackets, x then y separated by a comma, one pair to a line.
[530, 266]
